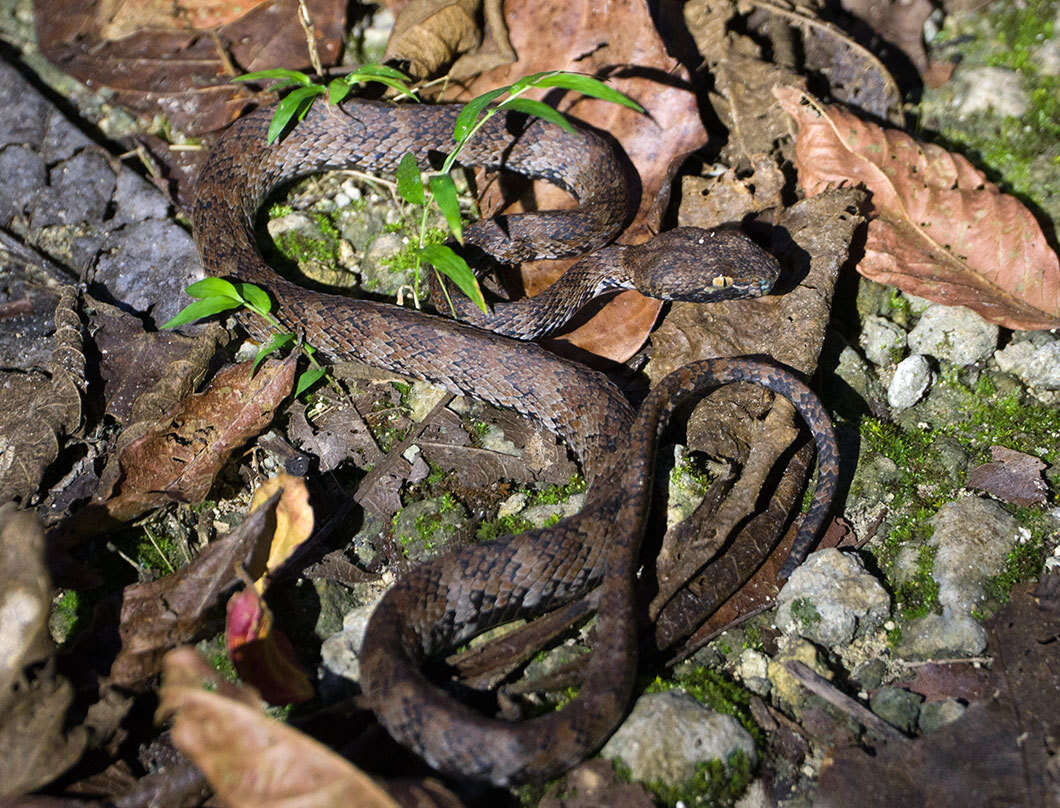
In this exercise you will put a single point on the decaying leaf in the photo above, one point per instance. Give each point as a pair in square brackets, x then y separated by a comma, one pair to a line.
[35, 747]
[430, 34]
[939, 229]
[294, 520]
[177, 608]
[158, 59]
[145, 373]
[250, 759]
[29, 445]
[261, 653]
[1001, 751]
[604, 41]
[177, 457]
[1011, 476]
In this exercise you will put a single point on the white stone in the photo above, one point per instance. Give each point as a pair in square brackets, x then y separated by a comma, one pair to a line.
[911, 380]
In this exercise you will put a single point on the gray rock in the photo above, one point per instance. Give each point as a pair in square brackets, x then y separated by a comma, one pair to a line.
[667, 734]
[883, 341]
[339, 652]
[423, 528]
[953, 333]
[147, 265]
[376, 274]
[1035, 360]
[753, 670]
[897, 707]
[79, 190]
[830, 598]
[941, 635]
[136, 199]
[540, 515]
[858, 374]
[24, 174]
[911, 380]
[869, 674]
[935, 714]
[424, 397]
[991, 89]
[973, 537]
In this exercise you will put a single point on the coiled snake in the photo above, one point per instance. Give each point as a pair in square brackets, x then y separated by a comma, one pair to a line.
[444, 602]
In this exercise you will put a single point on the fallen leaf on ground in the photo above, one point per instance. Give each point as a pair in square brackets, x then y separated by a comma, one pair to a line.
[294, 520]
[1011, 477]
[35, 745]
[250, 759]
[176, 458]
[262, 654]
[938, 228]
[158, 60]
[999, 752]
[178, 608]
[430, 34]
[604, 41]
[38, 410]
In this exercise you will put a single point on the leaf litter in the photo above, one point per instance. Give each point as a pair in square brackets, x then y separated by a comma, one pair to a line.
[225, 731]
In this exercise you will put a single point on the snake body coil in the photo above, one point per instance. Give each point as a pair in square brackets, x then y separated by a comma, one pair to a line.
[444, 602]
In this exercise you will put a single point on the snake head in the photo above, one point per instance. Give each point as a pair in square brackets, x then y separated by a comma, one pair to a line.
[690, 263]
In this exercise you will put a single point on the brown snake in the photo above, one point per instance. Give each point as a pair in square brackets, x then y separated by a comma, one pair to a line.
[446, 601]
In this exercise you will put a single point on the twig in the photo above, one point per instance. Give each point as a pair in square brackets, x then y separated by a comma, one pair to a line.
[310, 37]
[818, 685]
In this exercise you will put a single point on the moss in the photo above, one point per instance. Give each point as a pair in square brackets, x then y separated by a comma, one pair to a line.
[62, 622]
[555, 494]
[919, 595]
[717, 691]
[1024, 561]
[502, 526]
[714, 783]
[158, 552]
[803, 610]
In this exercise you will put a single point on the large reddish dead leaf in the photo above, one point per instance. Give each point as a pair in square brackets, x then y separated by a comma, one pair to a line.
[617, 40]
[1001, 751]
[938, 228]
[250, 759]
[158, 56]
[176, 458]
[178, 607]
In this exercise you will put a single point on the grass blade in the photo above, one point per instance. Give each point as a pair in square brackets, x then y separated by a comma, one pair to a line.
[469, 115]
[454, 267]
[279, 73]
[539, 110]
[294, 106]
[587, 85]
[444, 190]
[200, 309]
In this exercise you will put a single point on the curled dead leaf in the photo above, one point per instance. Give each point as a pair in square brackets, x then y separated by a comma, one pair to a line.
[250, 759]
[938, 229]
[430, 34]
[294, 520]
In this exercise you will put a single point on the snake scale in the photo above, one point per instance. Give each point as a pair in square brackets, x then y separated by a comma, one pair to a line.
[444, 602]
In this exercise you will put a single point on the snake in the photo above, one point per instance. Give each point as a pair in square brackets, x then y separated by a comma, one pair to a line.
[444, 602]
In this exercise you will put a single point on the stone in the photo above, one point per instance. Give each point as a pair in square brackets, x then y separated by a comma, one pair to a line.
[753, 670]
[668, 733]
[897, 707]
[424, 397]
[935, 714]
[953, 333]
[944, 635]
[996, 90]
[882, 341]
[423, 528]
[911, 380]
[831, 598]
[1035, 361]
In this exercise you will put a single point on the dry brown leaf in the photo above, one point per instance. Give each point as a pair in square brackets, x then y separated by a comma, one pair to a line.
[430, 34]
[38, 410]
[177, 458]
[121, 18]
[939, 229]
[605, 41]
[294, 520]
[1011, 477]
[176, 609]
[250, 759]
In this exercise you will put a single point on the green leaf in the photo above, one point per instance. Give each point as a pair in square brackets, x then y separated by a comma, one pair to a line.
[444, 190]
[308, 379]
[255, 296]
[294, 106]
[214, 287]
[275, 343]
[539, 110]
[279, 73]
[409, 181]
[587, 85]
[469, 115]
[376, 69]
[201, 308]
[454, 267]
[531, 80]
[337, 90]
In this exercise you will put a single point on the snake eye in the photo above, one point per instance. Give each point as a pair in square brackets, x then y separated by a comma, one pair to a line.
[721, 281]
